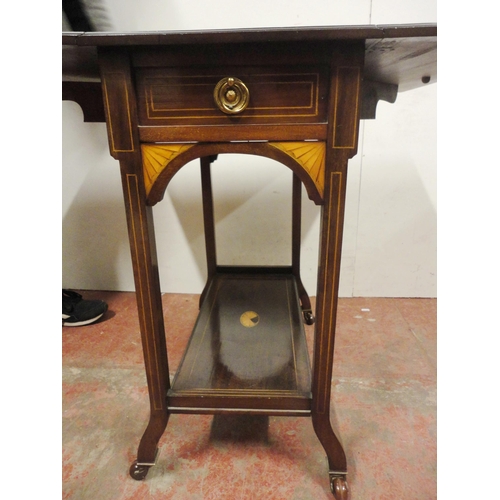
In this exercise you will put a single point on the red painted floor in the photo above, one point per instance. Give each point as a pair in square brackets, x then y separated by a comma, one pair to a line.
[383, 407]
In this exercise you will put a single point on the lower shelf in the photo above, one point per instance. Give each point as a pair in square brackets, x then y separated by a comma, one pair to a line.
[247, 350]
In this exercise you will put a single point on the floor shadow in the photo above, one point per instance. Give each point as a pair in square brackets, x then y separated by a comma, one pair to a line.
[240, 429]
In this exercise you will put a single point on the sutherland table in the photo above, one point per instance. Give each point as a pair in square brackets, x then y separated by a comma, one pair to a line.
[294, 95]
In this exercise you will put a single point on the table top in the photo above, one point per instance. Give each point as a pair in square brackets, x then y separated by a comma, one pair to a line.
[251, 35]
[403, 55]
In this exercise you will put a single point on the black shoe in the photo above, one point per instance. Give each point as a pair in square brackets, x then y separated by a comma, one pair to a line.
[78, 312]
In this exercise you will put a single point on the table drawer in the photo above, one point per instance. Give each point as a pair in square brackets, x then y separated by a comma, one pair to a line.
[185, 96]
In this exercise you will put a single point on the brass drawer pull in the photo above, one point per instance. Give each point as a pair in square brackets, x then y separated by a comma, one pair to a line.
[231, 95]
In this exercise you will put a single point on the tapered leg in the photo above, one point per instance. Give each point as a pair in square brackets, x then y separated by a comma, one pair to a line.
[305, 302]
[143, 250]
[326, 310]
[208, 219]
[122, 124]
[341, 145]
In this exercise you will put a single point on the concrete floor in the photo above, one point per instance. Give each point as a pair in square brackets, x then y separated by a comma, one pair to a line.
[383, 407]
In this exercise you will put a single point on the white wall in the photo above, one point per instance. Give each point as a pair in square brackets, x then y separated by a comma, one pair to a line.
[390, 227]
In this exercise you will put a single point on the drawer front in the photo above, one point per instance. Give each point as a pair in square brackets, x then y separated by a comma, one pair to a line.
[185, 96]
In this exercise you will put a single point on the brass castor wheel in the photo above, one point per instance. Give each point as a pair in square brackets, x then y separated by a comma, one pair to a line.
[339, 488]
[138, 472]
[308, 317]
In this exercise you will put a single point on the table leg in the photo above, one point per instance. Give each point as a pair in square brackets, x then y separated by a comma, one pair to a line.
[208, 220]
[326, 310]
[144, 260]
[305, 302]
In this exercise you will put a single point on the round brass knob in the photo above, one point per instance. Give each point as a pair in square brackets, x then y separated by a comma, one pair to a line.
[231, 95]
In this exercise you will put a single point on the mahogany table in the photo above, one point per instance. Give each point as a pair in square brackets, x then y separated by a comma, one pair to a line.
[294, 95]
